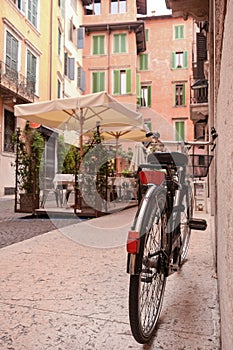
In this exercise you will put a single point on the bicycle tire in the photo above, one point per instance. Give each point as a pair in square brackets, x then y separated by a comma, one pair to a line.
[146, 290]
[186, 215]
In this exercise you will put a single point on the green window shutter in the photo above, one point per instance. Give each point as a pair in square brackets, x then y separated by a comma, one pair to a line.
[123, 43]
[116, 82]
[143, 62]
[128, 81]
[98, 81]
[119, 43]
[116, 43]
[179, 32]
[149, 95]
[94, 82]
[185, 59]
[180, 136]
[175, 95]
[147, 34]
[184, 94]
[101, 44]
[182, 32]
[98, 45]
[173, 60]
[95, 45]
[138, 86]
[101, 81]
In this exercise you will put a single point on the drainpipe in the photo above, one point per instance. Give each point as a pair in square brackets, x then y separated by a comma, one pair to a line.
[51, 50]
[109, 33]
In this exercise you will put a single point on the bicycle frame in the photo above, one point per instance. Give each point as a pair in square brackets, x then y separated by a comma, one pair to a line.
[174, 184]
[159, 238]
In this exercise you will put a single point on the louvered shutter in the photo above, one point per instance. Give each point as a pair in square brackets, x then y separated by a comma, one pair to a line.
[184, 94]
[80, 38]
[173, 60]
[149, 95]
[128, 81]
[116, 82]
[71, 63]
[185, 59]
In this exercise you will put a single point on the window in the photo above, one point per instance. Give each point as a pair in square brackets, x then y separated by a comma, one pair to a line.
[179, 32]
[30, 9]
[118, 6]
[69, 63]
[59, 92]
[61, 4]
[122, 82]
[59, 42]
[199, 130]
[119, 43]
[143, 62]
[33, 11]
[21, 4]
[80, 38]
[9, 129]
[12, 47]
[31, 71]
[93, 8]
[180, 131]
[179, 59]
[145, 96]
[73, 33]
[81, 79]
[98, 81]
[98, 44]
[148, 123]
[180, 98]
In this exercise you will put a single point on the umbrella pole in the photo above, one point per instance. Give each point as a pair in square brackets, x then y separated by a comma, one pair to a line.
[117, 153]
[78, 199]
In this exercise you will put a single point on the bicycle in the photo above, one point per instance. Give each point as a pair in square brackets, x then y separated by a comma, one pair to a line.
[158, 241]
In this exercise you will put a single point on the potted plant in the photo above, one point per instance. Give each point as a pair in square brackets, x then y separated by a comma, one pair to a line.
[29, 150]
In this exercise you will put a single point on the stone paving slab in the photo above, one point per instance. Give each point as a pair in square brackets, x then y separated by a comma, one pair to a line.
[65, 290]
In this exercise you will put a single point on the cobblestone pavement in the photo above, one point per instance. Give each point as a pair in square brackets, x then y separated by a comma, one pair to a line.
[68, 290]
[16, 227]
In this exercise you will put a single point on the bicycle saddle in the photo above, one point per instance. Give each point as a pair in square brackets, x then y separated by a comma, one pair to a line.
[168, 158]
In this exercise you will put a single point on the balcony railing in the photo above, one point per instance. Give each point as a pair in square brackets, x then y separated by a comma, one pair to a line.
[199, 91]
[13, 82]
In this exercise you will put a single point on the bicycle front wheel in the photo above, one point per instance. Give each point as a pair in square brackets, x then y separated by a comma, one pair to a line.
[146, 289]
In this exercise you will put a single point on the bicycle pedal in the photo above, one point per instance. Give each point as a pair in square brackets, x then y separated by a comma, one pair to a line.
[174, 267]
[198, 224]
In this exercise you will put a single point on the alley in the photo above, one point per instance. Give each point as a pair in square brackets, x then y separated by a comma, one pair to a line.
[68, 290]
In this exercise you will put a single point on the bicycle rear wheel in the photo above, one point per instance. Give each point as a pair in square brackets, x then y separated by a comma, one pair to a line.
[186, 215]
[146, 289]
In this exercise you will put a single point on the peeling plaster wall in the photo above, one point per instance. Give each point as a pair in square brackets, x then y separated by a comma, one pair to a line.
[224, 118]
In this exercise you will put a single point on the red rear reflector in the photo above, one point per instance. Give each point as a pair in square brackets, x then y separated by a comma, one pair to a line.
[133, 242]
[151, 176]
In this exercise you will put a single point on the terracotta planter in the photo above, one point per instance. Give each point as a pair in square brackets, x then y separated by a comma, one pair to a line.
[29, 202]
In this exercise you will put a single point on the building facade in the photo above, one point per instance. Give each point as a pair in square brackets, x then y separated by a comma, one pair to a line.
[164, 72]
[113, 40]
[217, 16]
[41, 59]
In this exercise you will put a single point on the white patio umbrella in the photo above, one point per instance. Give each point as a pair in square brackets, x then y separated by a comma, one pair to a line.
[139, 156]
[126, 133]
[80, 113]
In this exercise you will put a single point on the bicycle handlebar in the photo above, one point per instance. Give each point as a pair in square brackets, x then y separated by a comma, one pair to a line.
[214, 135]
